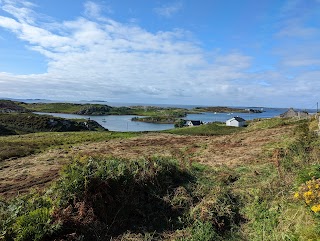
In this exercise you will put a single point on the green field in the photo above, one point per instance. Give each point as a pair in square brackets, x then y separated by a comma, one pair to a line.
[23, 145]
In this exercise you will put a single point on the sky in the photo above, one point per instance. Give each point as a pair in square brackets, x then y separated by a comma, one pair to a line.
[194, 52]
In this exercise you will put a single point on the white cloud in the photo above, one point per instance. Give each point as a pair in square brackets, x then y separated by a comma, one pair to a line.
[92, 9]
[89, 58]
[169, 10]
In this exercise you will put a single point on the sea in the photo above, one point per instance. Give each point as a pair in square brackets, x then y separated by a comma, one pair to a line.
[123, 123]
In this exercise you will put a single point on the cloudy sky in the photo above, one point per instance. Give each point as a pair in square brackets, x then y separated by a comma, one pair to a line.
[209, 52]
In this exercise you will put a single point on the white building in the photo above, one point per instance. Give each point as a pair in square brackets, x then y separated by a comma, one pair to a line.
[193, 123]
[236, 121]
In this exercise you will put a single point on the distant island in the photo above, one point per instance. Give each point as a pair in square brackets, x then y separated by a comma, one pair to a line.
[150, 114]
[223, 109]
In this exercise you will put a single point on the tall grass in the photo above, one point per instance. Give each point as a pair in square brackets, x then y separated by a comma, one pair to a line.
[267, 189]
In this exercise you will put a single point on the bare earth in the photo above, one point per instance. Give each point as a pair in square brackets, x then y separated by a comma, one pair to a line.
[37, 171]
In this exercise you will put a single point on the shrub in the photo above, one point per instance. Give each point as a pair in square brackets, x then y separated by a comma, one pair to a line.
[220, 208]
[26, 218]
[309, 192]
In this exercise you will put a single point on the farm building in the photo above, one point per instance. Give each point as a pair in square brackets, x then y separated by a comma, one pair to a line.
[236, 121]
[193, 123]
[292, 113]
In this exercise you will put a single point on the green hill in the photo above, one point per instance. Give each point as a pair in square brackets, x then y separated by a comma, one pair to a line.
[27, 123]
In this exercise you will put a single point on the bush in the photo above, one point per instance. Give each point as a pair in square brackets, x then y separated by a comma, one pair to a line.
[26, 218]
[116, 195]
[220, 209]
[309, 192]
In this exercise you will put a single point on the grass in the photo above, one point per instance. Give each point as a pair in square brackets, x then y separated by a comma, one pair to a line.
[268, 190]
[272, 123]
[104, 199]
[23, 145]
[165, 199]
[98, 109]
[206, 130]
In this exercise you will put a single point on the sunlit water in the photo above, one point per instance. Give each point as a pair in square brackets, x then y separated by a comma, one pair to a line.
[123, 122]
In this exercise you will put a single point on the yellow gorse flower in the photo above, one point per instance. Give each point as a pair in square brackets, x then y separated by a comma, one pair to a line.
[316, 208]
[309, 192]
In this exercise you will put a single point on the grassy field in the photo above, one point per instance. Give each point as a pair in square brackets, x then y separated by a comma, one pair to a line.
[23, 145]
[257, 183]
[206, 130]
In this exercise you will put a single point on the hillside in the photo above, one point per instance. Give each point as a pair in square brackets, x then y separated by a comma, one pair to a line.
[99, 109]
[8, 106]
[5, 131]
[159, 186]
[27, 123]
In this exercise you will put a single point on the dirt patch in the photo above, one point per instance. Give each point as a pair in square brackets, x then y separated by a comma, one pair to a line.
[37, 171]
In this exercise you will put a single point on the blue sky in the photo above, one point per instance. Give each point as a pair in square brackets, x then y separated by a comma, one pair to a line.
[208, 52]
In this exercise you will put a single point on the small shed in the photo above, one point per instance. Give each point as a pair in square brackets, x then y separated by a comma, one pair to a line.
[292, 113]
[193, 123]
[236, 121]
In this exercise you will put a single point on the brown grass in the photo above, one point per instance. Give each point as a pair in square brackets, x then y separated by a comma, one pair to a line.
[36, 171]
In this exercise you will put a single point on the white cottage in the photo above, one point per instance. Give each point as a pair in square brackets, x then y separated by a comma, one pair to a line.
[236, 121]
[193, 123]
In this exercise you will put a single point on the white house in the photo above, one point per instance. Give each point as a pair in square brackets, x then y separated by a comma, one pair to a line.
[236, 121]
[193, 123]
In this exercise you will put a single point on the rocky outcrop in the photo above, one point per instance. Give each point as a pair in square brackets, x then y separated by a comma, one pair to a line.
[8, 106]
[22, 123]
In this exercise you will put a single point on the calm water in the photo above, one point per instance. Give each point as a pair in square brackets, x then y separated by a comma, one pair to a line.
[117, 122]
[124, 123]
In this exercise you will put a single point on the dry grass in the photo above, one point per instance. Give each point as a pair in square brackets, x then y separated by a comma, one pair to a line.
[36, 171]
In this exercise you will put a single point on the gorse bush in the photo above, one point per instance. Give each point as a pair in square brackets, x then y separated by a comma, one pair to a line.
[309, 192]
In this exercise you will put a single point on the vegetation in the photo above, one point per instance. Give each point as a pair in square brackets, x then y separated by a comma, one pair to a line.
[223, 109]
[162, 116]
[98, 109]
[268, 189]
[156, 119]
[8, 106]
[259, 124]
[179, 123]
[22, 123]
[206, 130]
[5, 131]
[23, 145]
[273, 197]
[100, 199]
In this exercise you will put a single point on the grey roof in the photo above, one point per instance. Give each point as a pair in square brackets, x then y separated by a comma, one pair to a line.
[239, 119]
[292, 113]
[195, 123]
